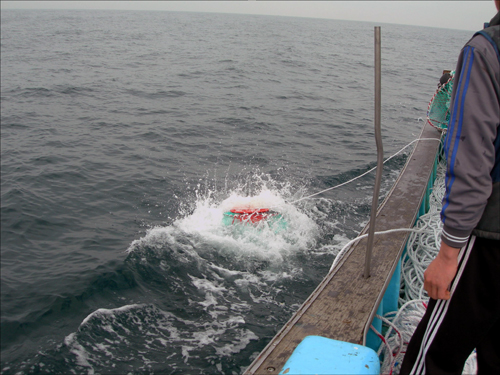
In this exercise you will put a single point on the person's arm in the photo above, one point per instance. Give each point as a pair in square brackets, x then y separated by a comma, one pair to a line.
[470, 152]
[469, 143]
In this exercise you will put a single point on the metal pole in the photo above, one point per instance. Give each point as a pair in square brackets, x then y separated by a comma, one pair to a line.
[380, 153]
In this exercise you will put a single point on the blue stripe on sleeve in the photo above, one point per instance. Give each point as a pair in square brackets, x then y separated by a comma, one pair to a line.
[463, 85]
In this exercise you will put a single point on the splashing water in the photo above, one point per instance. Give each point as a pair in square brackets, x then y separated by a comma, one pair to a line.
[211, 292]
[205, 230]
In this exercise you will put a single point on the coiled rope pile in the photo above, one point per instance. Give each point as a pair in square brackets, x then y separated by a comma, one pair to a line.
[422, 247]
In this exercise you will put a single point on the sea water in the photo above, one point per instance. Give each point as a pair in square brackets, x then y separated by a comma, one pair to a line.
[126, 135]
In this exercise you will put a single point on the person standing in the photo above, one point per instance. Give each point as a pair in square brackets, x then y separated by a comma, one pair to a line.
[463, 281]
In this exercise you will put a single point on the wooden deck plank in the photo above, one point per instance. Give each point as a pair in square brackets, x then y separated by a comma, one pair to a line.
[344, 302]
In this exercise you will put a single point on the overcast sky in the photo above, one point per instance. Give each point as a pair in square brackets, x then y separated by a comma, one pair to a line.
[464, 15]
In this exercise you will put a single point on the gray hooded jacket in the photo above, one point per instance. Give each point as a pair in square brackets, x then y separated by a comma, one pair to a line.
[472, 145]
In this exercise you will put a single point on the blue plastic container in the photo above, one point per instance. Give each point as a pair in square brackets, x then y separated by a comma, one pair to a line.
[320, 355]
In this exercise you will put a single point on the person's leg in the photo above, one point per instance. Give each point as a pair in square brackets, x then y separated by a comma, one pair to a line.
[488, 351]
[450, 330]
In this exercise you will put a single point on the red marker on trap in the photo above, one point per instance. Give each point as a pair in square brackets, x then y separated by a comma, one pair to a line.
[253, 216]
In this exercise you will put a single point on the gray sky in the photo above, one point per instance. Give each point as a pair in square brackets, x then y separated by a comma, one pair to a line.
[464, 15]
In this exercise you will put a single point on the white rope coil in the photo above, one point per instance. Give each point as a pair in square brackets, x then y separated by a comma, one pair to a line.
[422, 247]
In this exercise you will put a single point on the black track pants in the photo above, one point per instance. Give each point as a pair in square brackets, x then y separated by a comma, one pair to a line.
[451, 330]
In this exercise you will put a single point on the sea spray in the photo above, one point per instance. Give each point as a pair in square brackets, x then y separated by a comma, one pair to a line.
[204, 230]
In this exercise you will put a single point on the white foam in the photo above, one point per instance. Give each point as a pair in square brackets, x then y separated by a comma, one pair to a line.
[108, 312]
[237, 267]
[333, 249]
[238, 343]
[185, 352]
[265, 199]
[207, 285]
[104, 348]
[82, 356]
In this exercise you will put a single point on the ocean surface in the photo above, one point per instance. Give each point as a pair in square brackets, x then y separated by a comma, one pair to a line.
[126, 135]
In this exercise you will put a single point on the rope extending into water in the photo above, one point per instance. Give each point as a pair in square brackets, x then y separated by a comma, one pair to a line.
[364, 174]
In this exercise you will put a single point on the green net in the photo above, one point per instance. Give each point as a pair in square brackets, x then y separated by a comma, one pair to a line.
[438, 111]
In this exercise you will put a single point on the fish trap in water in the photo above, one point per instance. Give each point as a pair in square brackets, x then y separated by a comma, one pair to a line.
[255, 218]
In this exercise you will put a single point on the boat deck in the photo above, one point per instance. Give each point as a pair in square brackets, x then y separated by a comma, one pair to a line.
[344, 303]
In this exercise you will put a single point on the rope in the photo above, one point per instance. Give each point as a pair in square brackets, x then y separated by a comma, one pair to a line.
[421, 248]
[371, 170]
[342, 252]
[421, 229]
[401, 325]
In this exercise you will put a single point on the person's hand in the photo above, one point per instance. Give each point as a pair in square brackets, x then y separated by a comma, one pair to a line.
[441, 271]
